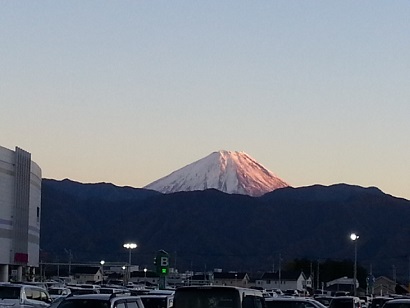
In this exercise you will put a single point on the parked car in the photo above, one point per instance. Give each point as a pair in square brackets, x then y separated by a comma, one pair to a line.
[341, 293]
[217, 296]
[378, 301]
[345, 302]
[324, 299]
[157, 301]
[292, 302]
[23, 296]
[397, 303]
[101, 301]
[56, 292]
[291, 292]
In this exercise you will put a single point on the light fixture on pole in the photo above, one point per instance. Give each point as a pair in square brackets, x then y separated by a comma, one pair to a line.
[145, 276]
[102, 262]
[123, 274]
[130, 247]
[354, 237]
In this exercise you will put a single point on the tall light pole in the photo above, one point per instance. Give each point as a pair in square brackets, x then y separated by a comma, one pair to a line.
[123, 273]
[145, 276]
[354, 237]
[130, 247]
[102, 262]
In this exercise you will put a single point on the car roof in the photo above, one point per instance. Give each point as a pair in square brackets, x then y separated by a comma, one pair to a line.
[156, 295]
[399, 300]
[282, 298]
[101, 296]
[21, 285]
[90, 296]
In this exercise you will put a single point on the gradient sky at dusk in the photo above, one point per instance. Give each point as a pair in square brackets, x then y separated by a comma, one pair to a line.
[128, 91]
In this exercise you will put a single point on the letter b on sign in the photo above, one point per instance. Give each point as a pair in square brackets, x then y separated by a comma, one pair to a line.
[164, 262]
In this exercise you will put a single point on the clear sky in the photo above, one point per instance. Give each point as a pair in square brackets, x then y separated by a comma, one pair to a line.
[126, 92]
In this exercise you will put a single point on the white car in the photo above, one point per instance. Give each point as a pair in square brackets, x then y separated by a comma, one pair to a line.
[56, 292]
[292, 302]
[23, 296]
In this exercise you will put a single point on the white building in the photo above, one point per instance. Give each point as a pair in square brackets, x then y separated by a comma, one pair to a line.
[20, 209]
[284, 280]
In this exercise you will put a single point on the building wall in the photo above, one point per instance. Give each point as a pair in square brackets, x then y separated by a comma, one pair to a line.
[20, 208]
[298, 284]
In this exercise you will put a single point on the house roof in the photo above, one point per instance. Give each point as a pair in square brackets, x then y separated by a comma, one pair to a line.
[90, 270]
[201, 277]
[148, 274]
[231, 276]
[56, 272]
[284, 275]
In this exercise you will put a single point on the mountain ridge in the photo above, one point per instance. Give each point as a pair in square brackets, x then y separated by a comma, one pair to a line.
[229, 231]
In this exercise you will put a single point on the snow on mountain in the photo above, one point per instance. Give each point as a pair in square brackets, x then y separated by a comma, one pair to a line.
[227, 171]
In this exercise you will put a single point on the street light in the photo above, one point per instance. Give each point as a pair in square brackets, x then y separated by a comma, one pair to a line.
[354, 237]
[145, 276]
[130, 247]
[102, 262]
[123, 274]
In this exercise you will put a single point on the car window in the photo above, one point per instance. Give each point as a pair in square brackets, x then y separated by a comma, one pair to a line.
[84, 303]
[120, 305]
[36, 294]
[258, 302]
[9, 292]
[29, 293]
[132, 305]
[279, 304]
[248, 302]
[341, 303]
[44, 296]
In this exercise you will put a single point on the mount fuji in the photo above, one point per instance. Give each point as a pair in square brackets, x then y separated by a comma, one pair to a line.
[227, 171]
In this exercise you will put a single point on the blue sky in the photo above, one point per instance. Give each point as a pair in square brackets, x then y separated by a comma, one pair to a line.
[128, 91]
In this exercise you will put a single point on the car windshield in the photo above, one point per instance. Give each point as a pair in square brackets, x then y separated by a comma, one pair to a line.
[9, 292]
[341, 303]
[207, 298]
[55, 291]
[154, 302]
[283, 304]
[84, 303]
[397, 305]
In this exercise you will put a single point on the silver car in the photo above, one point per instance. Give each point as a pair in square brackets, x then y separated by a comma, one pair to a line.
[23, 296]
[292, 302]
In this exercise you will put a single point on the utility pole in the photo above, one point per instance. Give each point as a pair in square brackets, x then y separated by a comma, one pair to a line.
[409, 275]
[280, 270]
[312, 275]
[317, 275]
[273, 268]
[394, 273]
[70, 257]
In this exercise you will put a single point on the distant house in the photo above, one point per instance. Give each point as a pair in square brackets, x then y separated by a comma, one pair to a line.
[342, 284]
[200, 279]
[231, 279]
[284, 280]
[87, 274]
[147, 278]
[384, 285]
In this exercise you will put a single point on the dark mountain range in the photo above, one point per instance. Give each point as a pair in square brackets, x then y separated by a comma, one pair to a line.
[211, 229]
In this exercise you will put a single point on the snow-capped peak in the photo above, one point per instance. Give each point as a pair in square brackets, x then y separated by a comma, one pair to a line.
[228, 171]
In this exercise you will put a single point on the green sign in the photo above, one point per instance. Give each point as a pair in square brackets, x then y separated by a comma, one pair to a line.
[162, 263]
